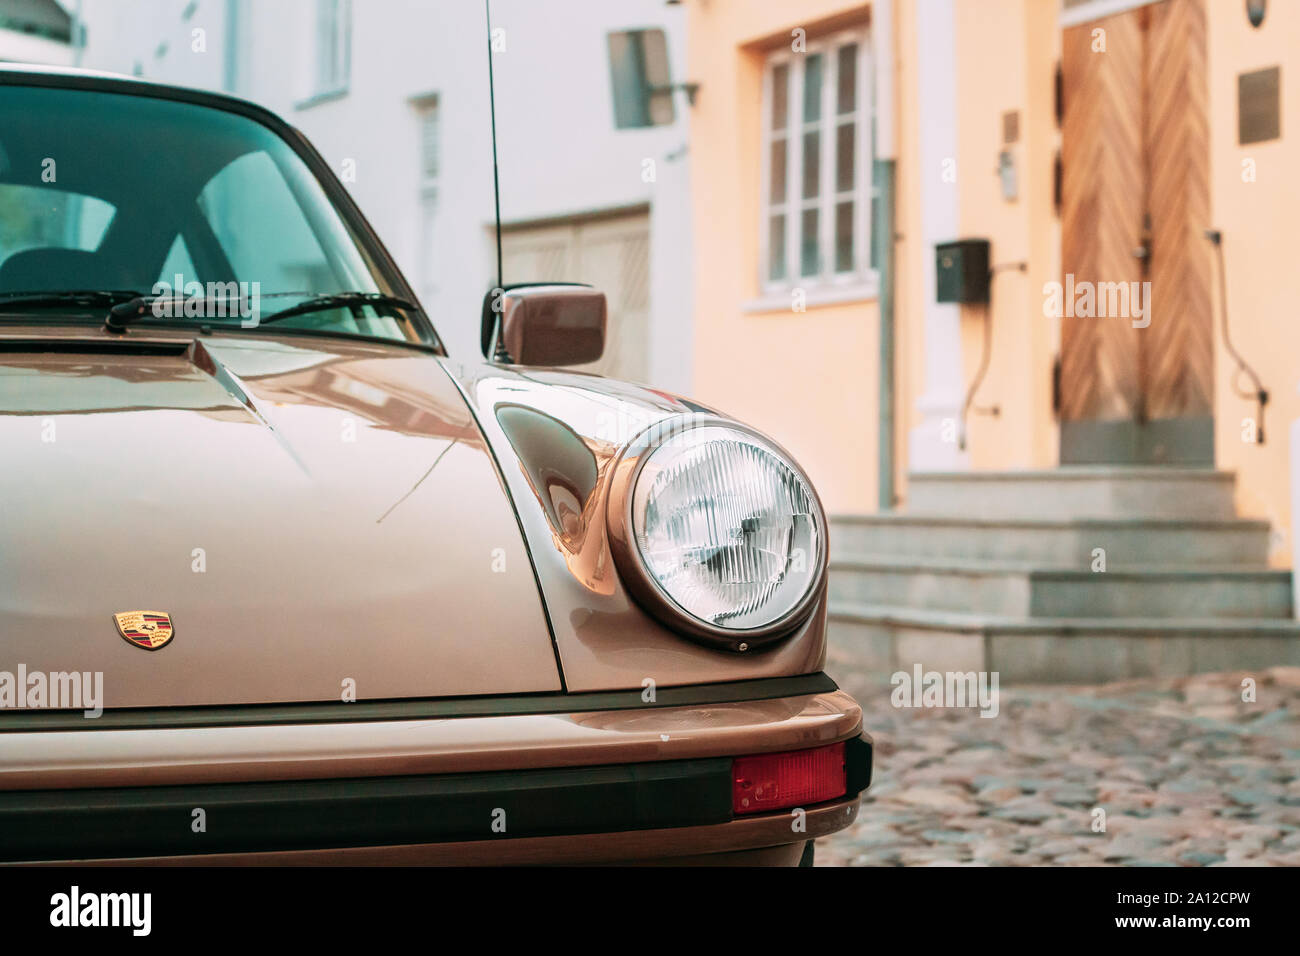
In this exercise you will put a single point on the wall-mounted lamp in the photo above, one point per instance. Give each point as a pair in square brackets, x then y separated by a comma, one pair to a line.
[690, 89]
[1255, 10]
[1006, 158]
[1007, 174]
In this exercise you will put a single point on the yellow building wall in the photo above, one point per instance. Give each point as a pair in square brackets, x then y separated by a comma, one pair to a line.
[808, 379]
[1258, 218]
[1007, 51]
[1260, 221]
[1006, 60]
[1021, 38]
[909, 264]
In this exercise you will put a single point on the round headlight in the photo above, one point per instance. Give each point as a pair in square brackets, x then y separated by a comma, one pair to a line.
[724, 529]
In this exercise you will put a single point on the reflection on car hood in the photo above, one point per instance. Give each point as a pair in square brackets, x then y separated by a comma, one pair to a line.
[313, 515]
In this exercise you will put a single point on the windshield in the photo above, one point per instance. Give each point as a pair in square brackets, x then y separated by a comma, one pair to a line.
[107, 191]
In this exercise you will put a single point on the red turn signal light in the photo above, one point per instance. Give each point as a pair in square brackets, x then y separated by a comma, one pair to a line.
[780, 781]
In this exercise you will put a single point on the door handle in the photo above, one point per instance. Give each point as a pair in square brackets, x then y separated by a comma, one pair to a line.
[1143, 249]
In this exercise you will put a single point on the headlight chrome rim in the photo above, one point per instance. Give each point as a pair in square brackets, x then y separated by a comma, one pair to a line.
[642, 582]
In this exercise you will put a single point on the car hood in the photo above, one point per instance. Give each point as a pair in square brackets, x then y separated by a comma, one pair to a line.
[319, 519]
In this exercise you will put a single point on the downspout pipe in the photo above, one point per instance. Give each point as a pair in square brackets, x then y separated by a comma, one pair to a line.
[884, 172]
[883, 228]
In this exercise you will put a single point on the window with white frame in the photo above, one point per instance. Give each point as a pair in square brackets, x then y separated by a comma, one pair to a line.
[1074, 12]
[333, 46]
[430, 127]
[430, 146]
[818, 194]
[638, 64]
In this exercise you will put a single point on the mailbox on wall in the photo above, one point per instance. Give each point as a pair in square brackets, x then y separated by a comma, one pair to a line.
[962, 270]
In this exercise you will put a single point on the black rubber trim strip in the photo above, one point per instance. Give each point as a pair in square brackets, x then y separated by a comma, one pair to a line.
[857, 764]
[115, 823]
[42, 825]
[175, 349]
[415, 709]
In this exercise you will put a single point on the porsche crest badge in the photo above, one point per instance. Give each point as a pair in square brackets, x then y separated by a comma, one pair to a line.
[148, 629]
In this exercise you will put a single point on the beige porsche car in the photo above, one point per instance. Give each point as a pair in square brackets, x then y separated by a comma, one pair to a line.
[281, 581]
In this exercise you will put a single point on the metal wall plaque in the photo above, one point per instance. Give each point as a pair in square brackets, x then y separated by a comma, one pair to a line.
[1259, 105]
[1011, 126]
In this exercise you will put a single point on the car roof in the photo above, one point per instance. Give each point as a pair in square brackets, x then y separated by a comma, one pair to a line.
[27, 74]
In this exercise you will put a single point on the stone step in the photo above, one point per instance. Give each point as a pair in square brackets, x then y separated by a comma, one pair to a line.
[879, 640]
[1074, 492]
[1127, 542]
[1021, 590]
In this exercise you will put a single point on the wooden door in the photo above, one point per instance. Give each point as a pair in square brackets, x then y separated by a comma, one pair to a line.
[611, 253]
[1137, 386]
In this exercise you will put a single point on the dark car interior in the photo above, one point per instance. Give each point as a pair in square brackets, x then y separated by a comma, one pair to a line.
[89, 150]
[110, 191]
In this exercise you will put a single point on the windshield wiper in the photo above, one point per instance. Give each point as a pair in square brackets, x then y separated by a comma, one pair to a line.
[126, 306]
[142, 306]
[87, 298]
[340, 300]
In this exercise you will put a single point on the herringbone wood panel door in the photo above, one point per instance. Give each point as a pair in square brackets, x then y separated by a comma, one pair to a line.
[1135, 158]
[1178, 347]
[1102, 202]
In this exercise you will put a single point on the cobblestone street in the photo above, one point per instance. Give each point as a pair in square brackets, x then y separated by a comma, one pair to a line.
[1187, 773]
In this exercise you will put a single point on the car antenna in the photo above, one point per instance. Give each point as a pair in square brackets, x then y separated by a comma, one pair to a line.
[499, 354]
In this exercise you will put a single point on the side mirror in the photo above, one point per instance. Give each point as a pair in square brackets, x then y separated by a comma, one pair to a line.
[551, 324]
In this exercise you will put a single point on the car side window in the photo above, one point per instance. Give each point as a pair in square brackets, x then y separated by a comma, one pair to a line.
[42, 217]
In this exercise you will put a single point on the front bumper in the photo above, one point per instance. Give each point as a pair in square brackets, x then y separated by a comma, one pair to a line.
[650, 782]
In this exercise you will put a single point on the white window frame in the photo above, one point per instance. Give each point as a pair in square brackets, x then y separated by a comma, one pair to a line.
[861, 279]
[428, 108]
[1090, 10]
[320, 89]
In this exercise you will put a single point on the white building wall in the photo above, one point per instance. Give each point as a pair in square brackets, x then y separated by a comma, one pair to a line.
[18, 47]
[930, 446]
[560, 154]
